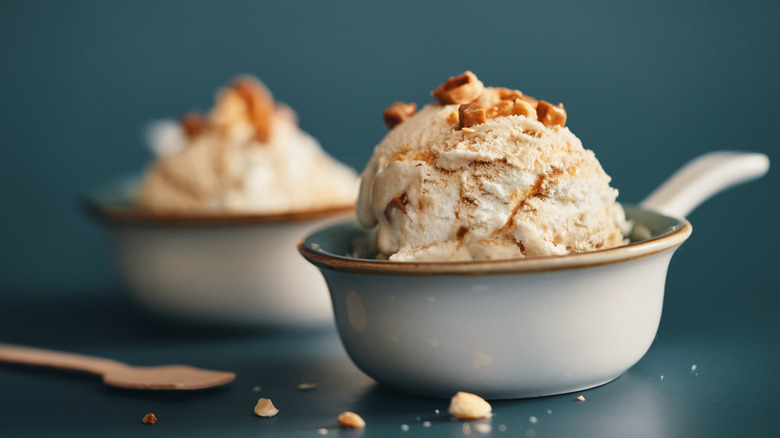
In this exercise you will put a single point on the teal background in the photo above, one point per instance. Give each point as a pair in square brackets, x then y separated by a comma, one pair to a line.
[647, 86]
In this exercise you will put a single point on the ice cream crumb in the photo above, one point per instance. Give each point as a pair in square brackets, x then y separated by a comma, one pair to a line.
[436, 411]
[405, 427]
[308, 386]
[549, 411]
[256, 389]
[150, 418]
[662, 376]
[426, 424]
[483, 428]
[533, 419]
[693, 367]
[265, 408]
[322, 431]
[581, 398]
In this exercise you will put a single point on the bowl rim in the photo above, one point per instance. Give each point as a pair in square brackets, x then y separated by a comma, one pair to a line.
[340, 263]
[133, 215]
[113, 203]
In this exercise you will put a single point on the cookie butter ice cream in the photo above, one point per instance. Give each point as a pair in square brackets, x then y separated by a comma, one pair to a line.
[246, 155]
[485, 173]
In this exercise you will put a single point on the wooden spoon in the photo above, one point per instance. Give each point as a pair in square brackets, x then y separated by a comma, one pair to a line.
[117, 373]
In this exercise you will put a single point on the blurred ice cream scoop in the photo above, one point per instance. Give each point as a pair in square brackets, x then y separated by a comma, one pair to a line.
[485, 173]
[246, 155]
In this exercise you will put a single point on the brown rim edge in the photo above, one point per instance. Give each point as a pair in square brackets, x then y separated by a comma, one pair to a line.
[498, 267]
[136, 216]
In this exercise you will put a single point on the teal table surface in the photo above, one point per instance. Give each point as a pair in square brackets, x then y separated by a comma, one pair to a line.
[719, 382]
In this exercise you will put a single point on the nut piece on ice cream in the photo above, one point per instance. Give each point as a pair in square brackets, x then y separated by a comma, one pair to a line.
[487, 173]
[246, 155]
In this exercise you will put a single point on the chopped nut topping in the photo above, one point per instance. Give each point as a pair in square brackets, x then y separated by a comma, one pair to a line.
[502, 108]
[459, 89]
[580, 398]
[507, 94]
[522, 107]
[467, 406]
[351, 420]
[259, 103]
[471, 114]
[193, 124]
[530, 100]
[452, 118]
[150, 418]
[265, 408]
[550, 114]
[396, 113]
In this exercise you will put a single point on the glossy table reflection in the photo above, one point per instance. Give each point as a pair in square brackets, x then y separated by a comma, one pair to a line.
[729, 392]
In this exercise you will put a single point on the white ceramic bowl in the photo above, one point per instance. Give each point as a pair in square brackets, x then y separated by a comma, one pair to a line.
[231, 270]
[519, 327]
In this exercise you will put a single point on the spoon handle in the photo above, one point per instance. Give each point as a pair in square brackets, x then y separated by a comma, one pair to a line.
[702, 178]
[56, 359]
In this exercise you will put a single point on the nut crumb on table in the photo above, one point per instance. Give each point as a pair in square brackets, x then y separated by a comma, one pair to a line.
[467, 406]
[150, 418]
[265, 408]
[351, 420]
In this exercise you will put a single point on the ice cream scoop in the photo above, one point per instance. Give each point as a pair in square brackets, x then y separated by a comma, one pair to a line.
[246, 155]
[486, 173]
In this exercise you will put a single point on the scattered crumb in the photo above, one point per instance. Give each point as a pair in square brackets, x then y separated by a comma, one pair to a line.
[502, 427]
[405, 427]
[315, 246]
[533, 419]
[426, 424]
[581, 398]
[265, 408]
[693, 367]
[467, 406]
[322, 431]
[436, 412]
[308, 386]
[150, 418]
[351, 420]
[256, 389]
[549, 412]
[483, 428]
[662, 376]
